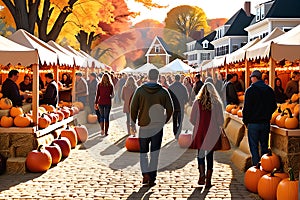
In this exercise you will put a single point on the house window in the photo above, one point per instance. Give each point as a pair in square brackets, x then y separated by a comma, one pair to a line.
[156, 49]
[205, 44]
[286, 29]
[262, 12]
[258, 13]
[205, 56]
[235, 47]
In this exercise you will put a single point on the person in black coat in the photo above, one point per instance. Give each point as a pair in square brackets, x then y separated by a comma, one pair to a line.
[26, 85]
[231, 94]
[280, 96]
[11, 90]
[50, 96]
[179, 97]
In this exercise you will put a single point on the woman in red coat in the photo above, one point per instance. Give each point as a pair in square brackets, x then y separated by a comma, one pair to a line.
[126, 94]
[207, 118]
[105, 92]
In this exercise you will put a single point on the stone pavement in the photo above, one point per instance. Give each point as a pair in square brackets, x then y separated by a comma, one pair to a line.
[103, 169]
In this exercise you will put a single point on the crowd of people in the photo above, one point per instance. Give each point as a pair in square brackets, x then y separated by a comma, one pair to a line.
[151, 101]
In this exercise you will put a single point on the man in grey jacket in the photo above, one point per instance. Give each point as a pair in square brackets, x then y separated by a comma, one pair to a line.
[81, 88]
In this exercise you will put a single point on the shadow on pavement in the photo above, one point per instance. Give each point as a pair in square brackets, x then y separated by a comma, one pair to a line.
[114, 148]
[141, 194]
[125, 160]
[199, 193]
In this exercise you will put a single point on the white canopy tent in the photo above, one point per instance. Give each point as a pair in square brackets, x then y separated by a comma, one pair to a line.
[47, 54]
[85, 63]
[79, 61]
[145, 68]
[96, 63]
[14, 53]
[239, 55]
[262, 48]
[126, 70]
[175, 66]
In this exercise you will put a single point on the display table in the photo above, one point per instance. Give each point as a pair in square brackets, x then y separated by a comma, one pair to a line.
[283, 142]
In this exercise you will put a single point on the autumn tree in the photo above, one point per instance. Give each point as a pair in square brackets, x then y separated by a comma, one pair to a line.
[180, 23]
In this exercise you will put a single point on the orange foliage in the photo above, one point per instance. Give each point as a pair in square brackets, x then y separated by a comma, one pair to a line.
[149, 4]
[215, 23]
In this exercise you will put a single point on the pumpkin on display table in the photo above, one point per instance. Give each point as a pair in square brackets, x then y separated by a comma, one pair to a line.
[22, 120]
[277, 112]
[38, 160]
[5, 104]
[132, 143]
[48, 108]
[65, 146]
[44, 121]
[70, 133]
[291, 122]
[6, 121]
[15, 111]
[79, 105]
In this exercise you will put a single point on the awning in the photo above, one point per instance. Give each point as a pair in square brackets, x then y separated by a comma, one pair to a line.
[175, 66]
[85, 63]
[145, 68]
[95, 62]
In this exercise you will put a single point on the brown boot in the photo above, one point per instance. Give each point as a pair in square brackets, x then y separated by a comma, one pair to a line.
[208, 178]
[201, 180]
[106, 126]
[102, 128]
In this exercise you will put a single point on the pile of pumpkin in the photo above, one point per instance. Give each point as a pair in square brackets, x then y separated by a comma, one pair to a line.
[268, 182]
[235, 110]
[44, 157]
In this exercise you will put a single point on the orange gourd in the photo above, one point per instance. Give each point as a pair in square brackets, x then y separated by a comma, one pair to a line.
[295, 98]
[280, 119]
[252, 176]
[5, 103]
[48, 108]
[269, 161]
[132, 144]
[70, 133]
[92, 119]
[291, 122]
[235, 110]
[82, 133]
[79, 105]
[38, 160]
[230, 107]
[65, 146]
[275, 114]
[288, 188]
[296, 110]
[240, 113]
[22, 120]
[44, 121]
[55, 152]
[6, 121]
[267, 186]
[15, 111]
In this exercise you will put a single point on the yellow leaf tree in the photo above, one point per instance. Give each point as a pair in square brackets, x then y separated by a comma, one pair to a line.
[180, 24]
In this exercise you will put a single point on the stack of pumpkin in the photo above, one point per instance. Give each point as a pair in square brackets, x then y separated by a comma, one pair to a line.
[235, 110]
[270, 184]
[40, 160]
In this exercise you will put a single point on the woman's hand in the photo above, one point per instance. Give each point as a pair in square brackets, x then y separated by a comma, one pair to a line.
[96, 106]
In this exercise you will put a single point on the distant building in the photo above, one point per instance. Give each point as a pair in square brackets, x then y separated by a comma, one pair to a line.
[200, 50]
[284, 14]
[232, 36]
[158, 52]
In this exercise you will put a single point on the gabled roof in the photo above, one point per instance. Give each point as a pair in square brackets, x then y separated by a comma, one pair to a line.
[281, 9]
[162, 43]
[238, 22]
[210, 37]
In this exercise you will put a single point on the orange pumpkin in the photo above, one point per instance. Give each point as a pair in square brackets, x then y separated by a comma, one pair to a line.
[92, 119]
[291, 122]
[230, 107]
[70, 133]
[267, 186]
[44, 121]
[53, 117]
[65, 146]
[55, 152]
[75, 109]
[288, 188]
[240, 113]
[66, 112]
[60, 114]
[1, 95]
[252, 176]
[48, 108]
[281, 174]
[269, 161]
[235, 110]
[296, 110]
[275, 114]
[132, 144]
[6, 121]
[280, 119]
[22, 120]
[5, 103]
[185, 139]
[79, 105]
[295, 98]
[82, 133]
[15, 111]
[38, 160]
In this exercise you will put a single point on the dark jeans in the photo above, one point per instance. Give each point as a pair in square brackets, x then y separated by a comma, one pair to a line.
[258, 133]
[209, 159]
[148, 163]
[104, 111]
[177, 122]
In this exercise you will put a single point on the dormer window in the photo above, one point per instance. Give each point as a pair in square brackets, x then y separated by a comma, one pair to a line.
[262, 12]
[205, 44]
[257, 13]
[156, 49]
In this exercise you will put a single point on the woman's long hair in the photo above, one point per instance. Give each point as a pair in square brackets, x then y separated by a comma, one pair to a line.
[208, 96]
[130, 82]
[106, 80]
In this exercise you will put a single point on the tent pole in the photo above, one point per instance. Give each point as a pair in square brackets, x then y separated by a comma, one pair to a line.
[35, 93]
[247, 73]
[272, 66]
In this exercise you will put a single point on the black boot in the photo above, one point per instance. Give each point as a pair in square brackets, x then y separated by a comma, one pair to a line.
[201, 180]
[208, 178]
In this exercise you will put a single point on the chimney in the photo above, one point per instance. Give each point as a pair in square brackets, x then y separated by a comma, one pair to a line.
[247, 8]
